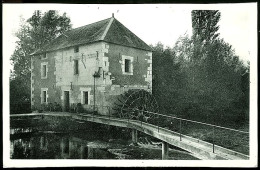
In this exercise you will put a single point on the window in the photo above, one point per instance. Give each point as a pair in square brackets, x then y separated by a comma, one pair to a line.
[127, 65]
[44, 70]
[76, 49]
[76, 67]
[44, 56]
[85, 97]
[44, 95]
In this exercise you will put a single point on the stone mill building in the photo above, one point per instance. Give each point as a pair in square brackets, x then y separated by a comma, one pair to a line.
[91, 65]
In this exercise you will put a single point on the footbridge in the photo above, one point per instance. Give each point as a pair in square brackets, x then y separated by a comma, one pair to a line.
[199, 148]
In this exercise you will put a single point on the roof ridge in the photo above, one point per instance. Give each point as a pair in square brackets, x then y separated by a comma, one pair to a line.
[132, 33]
[107, 28]
[87, 25]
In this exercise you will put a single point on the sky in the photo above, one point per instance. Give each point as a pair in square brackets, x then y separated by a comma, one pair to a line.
[152, 23]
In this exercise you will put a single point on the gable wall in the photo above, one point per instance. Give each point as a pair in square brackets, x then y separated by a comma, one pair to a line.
[142, 63]
[112, 81]
[37, 82]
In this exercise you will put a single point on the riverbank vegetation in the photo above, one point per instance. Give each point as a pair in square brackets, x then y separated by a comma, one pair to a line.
[201, 77]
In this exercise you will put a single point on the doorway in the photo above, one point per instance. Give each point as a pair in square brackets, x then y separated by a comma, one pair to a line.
[66, 101]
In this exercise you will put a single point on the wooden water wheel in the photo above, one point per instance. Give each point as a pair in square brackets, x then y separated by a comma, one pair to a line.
[137, 104]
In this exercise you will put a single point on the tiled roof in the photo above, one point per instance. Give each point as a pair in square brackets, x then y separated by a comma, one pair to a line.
[119, 34]
[108, 30]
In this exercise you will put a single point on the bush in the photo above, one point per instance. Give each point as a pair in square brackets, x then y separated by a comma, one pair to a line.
[76, 108]
[79, 108]
[57, 107]
[20, 108]
[43, 108]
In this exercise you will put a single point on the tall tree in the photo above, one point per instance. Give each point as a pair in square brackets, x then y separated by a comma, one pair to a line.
[205, 24]
[204, 30]
[38, 30]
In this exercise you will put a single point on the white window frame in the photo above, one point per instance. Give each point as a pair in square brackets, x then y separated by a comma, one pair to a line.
[130, 67]
[47, 96]
[83, 96]
[44, 64]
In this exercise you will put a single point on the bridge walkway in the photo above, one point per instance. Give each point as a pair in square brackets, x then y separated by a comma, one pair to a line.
[200, 149]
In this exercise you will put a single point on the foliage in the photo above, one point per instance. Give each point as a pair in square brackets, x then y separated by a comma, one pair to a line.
[47, 27]
[205, 25]
[50, 107]
[201, 78]
[38, 30]
[19, 96]
[167, 78]
[204, 31]
[76, 108]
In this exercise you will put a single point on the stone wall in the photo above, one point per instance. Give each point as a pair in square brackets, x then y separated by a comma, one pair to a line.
[107, 58]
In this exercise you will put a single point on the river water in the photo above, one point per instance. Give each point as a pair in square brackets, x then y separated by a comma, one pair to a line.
[97, 142]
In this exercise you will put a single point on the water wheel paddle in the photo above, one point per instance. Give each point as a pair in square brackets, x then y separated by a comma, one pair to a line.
[137, 104]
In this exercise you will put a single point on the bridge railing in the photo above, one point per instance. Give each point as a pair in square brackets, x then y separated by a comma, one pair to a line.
[234, 139]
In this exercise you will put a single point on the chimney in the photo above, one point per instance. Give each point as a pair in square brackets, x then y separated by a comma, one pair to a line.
[113, 15]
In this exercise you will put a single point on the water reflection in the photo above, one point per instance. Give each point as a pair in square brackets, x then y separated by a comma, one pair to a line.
[86, 144]
[54, 146]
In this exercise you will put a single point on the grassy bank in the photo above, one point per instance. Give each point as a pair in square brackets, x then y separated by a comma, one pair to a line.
[233, 140]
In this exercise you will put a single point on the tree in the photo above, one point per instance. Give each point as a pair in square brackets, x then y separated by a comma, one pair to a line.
[215, 79]
[204, 30]
[35, 32]
[47, 27]
[167, 79]
[201, 77]
[205, 24]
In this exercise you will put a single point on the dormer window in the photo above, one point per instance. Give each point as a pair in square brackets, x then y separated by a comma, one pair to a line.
[76, 49]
